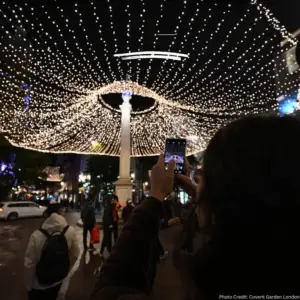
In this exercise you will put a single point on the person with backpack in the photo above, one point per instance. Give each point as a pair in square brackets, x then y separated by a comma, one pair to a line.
[88, 218]
[49, 254]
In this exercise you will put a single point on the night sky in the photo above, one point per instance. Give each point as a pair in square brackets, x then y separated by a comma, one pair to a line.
[229, 72]
[288, 12]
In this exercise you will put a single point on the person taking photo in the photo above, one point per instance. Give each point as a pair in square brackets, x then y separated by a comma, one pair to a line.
[247, 204]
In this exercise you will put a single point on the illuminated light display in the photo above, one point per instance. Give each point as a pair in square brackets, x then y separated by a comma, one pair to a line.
[67, 58]
[152, 55]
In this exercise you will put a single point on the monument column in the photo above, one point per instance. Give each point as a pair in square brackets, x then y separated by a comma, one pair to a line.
[123, 184]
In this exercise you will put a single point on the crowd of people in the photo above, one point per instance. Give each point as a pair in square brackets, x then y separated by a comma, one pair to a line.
[244, 203]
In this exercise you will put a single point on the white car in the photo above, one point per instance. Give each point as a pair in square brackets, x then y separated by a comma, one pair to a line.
[20, 209]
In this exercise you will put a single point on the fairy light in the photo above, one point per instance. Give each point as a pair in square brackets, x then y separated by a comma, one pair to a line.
[225, 59]
[128, 31]
[91, 50]
[172, 43]
[157, 32]
[276, 24]
[166, 84]
[116, 47]
[141, 39]
[55, 53]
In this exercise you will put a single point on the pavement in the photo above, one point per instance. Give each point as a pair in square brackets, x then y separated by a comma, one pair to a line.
[79, 284]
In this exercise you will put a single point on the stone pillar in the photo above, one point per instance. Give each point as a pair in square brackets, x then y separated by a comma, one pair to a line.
[124, 185]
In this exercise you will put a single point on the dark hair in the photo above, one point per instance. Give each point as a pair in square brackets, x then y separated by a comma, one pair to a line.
[107, 201]
[251, 172]
[53, 208]
[251, 197]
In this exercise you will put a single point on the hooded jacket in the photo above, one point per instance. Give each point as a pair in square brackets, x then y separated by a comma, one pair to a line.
[55, 223]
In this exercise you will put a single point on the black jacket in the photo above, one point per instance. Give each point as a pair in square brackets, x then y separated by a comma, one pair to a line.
[126, 212]
[88, 216]
[126, 272]
[166, 213]
[176, 209]
[226, 265]
[108, 217]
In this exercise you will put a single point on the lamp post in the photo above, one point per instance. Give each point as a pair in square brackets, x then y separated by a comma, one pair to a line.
[124, 184]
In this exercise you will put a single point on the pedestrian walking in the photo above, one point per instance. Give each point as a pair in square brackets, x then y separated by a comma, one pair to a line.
[49, 254]
[107, 225]
[89, 220]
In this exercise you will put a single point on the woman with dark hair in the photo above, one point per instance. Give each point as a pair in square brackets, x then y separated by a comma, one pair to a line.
[247, 204]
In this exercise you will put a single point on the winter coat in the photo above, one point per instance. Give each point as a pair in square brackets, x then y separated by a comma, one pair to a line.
[224, 265]
[88, 216]
[108, 217]
[55, 223]
[126, 212]
[125, 274]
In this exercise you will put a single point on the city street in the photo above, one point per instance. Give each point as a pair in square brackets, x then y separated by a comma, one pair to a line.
[107, 104]
[14, 237]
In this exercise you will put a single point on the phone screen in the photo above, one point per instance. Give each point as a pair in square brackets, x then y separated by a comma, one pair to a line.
[175, 150]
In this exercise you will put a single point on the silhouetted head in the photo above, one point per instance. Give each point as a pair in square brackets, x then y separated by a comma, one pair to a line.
[251, 203]
[129, 202]
[251, 176]
[54, 208]
[108, 200]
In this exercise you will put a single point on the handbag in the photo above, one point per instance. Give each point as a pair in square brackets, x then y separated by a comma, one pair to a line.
[95, 235]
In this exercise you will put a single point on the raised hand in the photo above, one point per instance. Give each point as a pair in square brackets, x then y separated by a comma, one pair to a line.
[162, 180]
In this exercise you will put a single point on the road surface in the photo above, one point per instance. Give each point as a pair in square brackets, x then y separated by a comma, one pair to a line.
[14, 237]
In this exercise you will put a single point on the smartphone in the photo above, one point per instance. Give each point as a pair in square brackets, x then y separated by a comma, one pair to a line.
[175, 150]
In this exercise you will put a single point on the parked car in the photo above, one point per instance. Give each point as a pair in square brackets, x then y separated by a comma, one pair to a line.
[20, 209]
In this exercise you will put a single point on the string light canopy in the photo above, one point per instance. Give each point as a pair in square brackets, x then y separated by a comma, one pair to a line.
[59, 61]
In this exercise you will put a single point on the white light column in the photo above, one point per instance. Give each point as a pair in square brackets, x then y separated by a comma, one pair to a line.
[124, 185]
